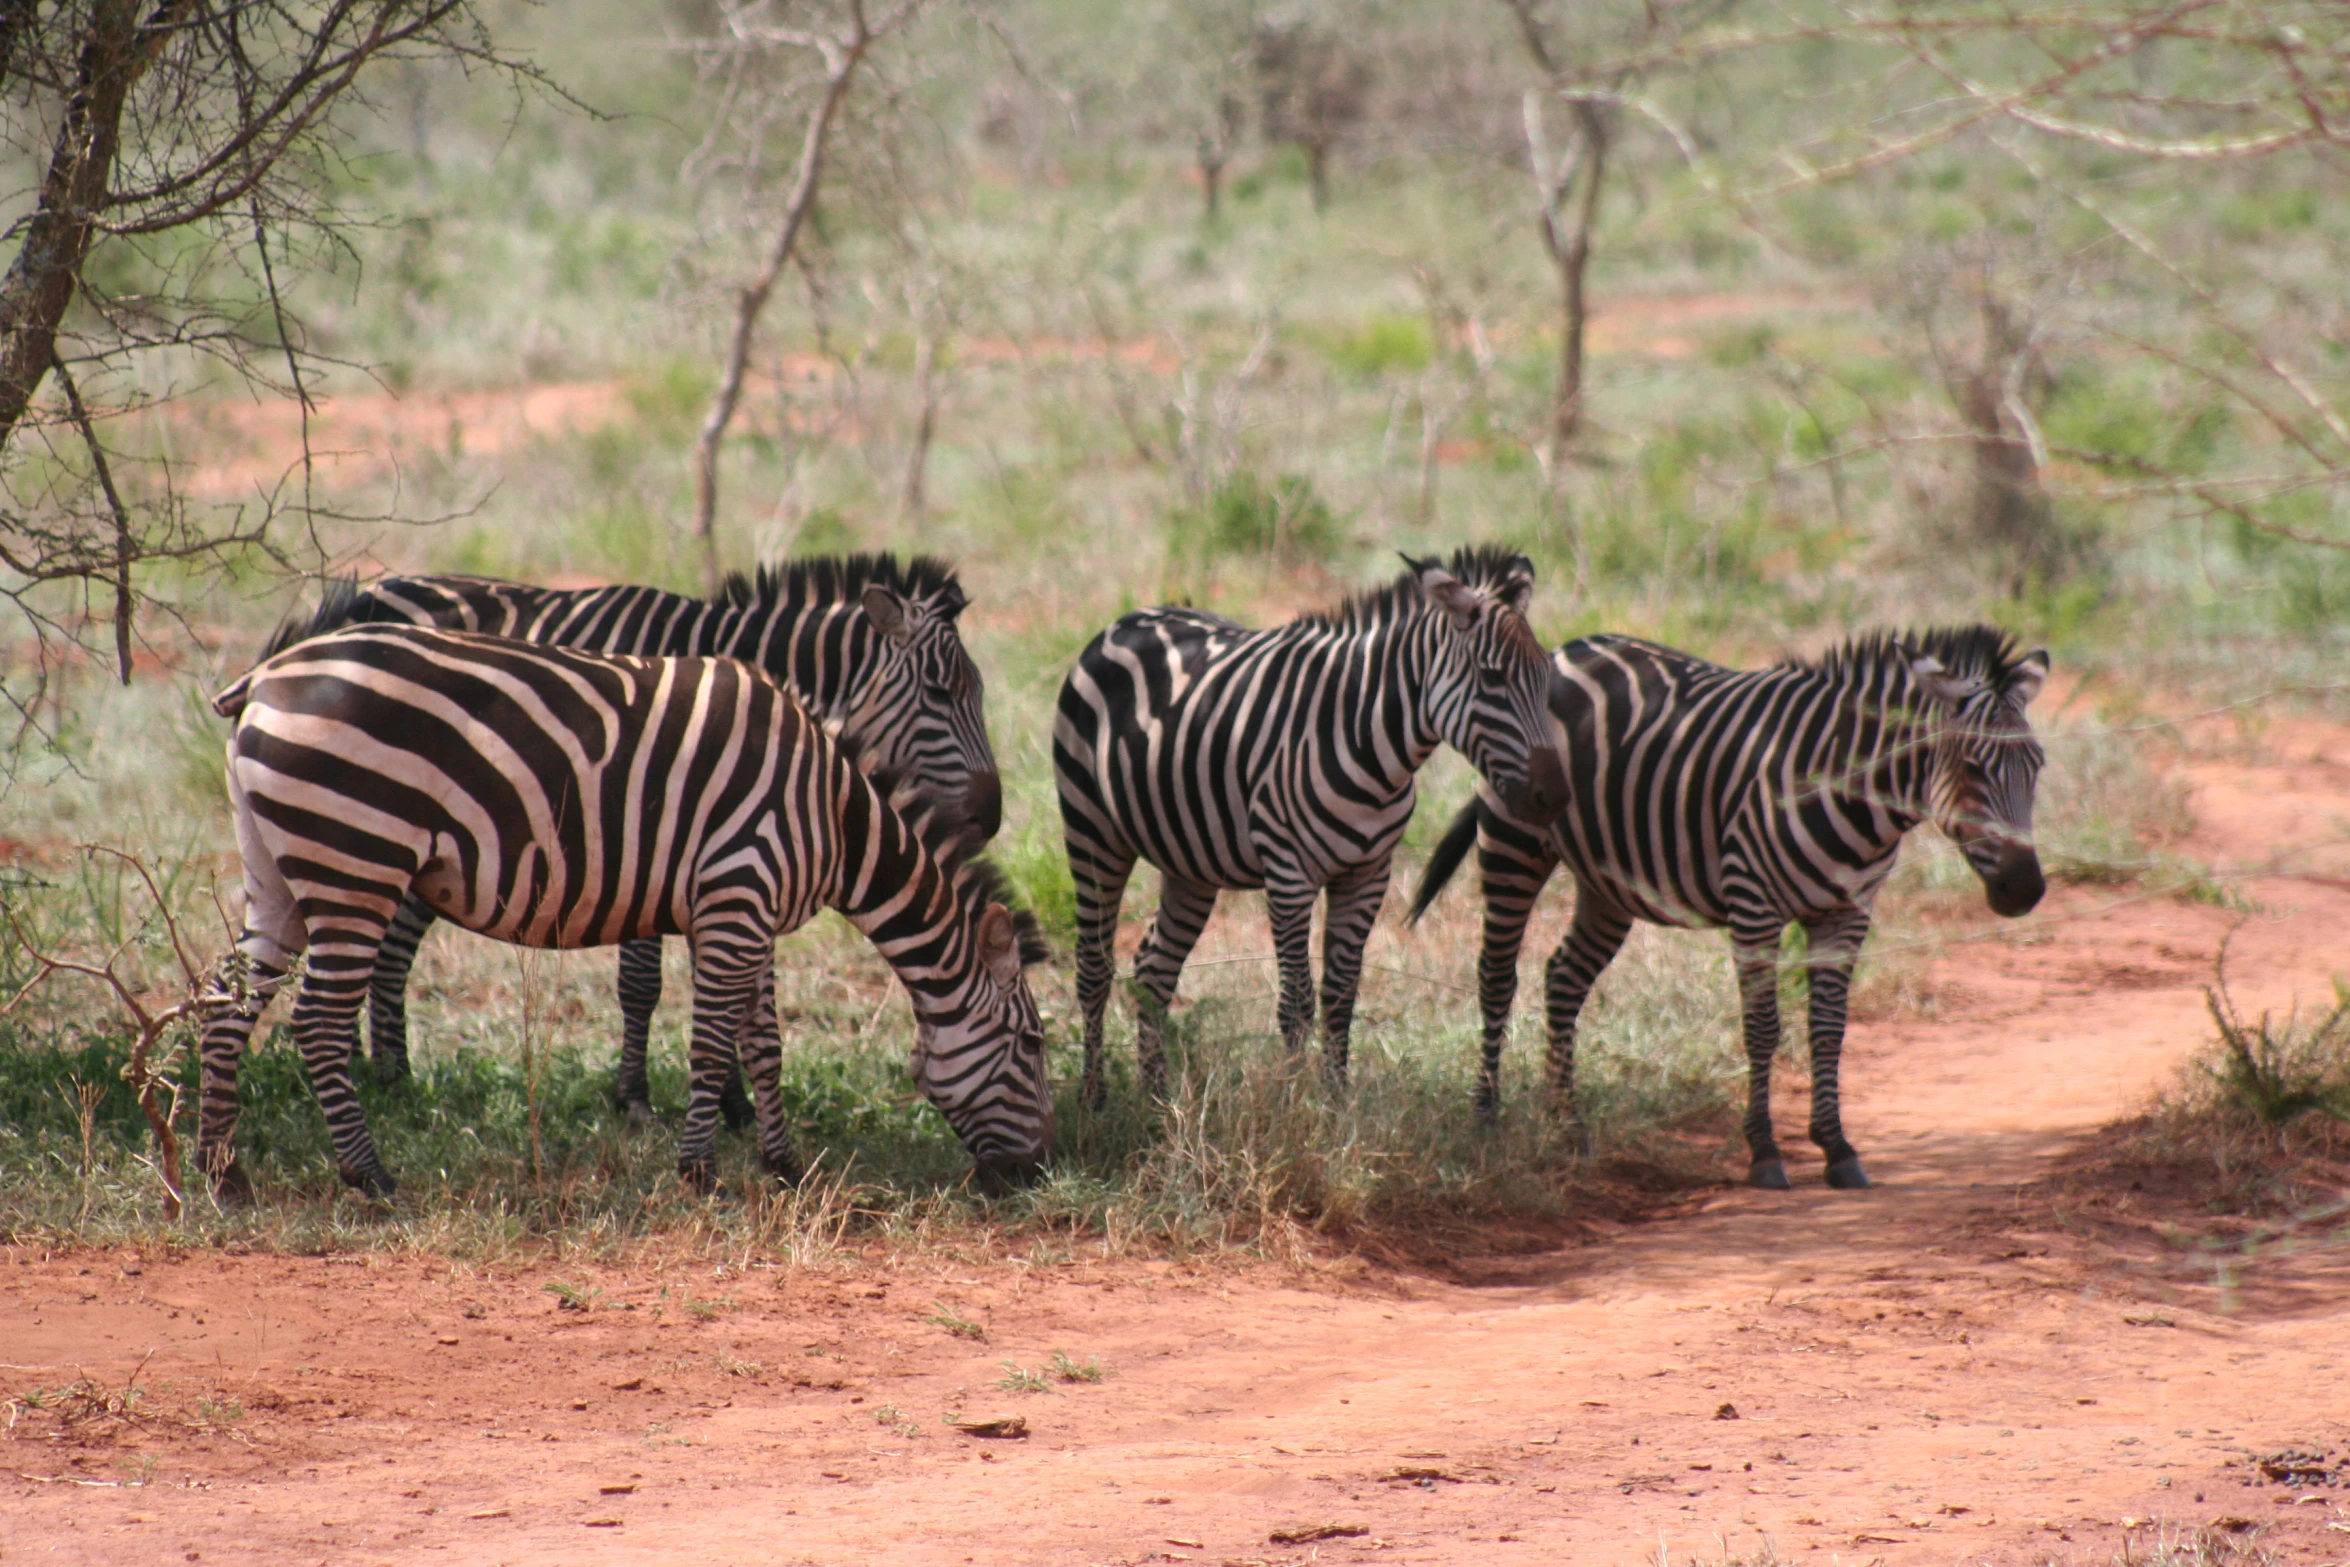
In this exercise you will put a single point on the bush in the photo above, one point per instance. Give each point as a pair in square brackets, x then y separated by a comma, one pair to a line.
[1284, 519]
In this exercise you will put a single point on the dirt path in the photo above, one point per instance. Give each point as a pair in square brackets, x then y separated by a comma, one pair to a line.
[1929, 1372]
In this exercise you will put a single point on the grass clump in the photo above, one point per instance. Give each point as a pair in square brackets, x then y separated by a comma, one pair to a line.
[1247, 516]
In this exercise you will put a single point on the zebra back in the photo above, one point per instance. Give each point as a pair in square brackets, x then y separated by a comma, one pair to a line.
[871, 644]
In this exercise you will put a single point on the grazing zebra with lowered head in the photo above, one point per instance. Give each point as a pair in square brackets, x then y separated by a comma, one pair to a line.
[553, 798]
[1284, 759]
[870, 645]
[1704, 796]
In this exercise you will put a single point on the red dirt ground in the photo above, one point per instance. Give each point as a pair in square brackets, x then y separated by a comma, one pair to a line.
[1948, 1368]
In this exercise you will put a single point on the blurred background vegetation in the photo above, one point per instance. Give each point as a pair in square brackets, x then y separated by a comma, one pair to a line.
[1752, 326]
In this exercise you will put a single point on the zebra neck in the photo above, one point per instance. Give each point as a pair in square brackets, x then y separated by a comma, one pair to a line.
[891, 886]
[817, 649]
[1385, 711]
[1886, 755]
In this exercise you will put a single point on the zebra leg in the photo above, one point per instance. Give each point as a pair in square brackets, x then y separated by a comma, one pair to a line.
[387, 990]
[1184, 907]
[237, 990]
[640, 993]
[1100, 875]
[326, 1031]
[762, 1056]
[1591, 944]
[1513, 867]
[1350, 909]
[726, 986]
[1756, 954]
[1835, 947]
[1291, 907]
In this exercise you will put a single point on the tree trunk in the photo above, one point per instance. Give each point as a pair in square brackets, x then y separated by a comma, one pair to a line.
[1572, 254]
[1211, 176]
[1318, 172]
[116, 50]
[841, 68]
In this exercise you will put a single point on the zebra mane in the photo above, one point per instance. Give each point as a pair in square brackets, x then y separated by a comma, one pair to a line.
[1478, 565]
[834, 579]
[1977, 652]
[344, 604]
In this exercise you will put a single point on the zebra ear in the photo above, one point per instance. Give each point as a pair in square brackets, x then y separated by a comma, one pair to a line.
[1940, 683]
[999, 944]
[1518, 591]
[2030, 674]
[1448, 593]
[949, 602]
[887, 612]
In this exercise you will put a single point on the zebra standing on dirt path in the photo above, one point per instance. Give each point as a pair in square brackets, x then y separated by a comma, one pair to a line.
[553, 798]
[871, 646]
[1704, 796]
[1284, 759]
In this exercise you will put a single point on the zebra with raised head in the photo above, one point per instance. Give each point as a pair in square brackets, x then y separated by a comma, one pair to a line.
[1284, 759]
[553, 798]
[1704, 796]
[870, 644]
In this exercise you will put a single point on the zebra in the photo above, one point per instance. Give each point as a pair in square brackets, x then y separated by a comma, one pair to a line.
[1701, 796]
[870, 644]
[1284, 759]
[554, 798]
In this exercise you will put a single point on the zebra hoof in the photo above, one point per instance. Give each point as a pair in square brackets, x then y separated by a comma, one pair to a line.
[786, 1174]
[391, 1071]
[1768, 1174]
[1847, 1175]
[638, 1113]
[699, 1176]
[370, 1182]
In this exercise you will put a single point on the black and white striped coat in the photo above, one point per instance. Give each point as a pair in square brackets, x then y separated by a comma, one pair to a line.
[870, 644]
[1284, 759]
[554, 798]
[1704, 796]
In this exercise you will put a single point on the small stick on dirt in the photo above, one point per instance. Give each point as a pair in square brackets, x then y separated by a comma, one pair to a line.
[1308, 1533]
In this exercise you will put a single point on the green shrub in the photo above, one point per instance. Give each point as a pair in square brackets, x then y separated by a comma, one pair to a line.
[1284, 519]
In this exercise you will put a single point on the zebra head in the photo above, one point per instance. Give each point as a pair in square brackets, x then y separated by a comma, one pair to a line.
[1985, 762]
[1488, 680]
[918, 716]
[982, 1060]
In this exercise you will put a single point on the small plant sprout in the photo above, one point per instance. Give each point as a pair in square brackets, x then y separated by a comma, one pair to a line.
[954, 1322]
[574, 1297]
[1019, 1379]
[1066, 1370]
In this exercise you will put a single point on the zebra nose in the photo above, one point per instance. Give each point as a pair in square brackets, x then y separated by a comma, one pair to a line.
[1544, 793]
[984, 800]
[2016, 884]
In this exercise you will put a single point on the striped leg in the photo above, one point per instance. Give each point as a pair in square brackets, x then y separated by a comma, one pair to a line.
[237, 991]
[326, 1031]
[1100, 875]
[640, 993]
[387, 991]
[1835, 947]
[762, 1059]
[1591, 944]
[1514, 865]
[726, 987]
[1184, 907]
[1291, 909]
[1350, 909]
[1755, 952]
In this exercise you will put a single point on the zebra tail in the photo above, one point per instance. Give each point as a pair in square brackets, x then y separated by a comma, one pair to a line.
[1458, 839]
[344, 604]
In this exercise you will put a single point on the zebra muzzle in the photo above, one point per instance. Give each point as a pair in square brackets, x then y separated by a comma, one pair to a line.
[1544, 793]
[2015, 884]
